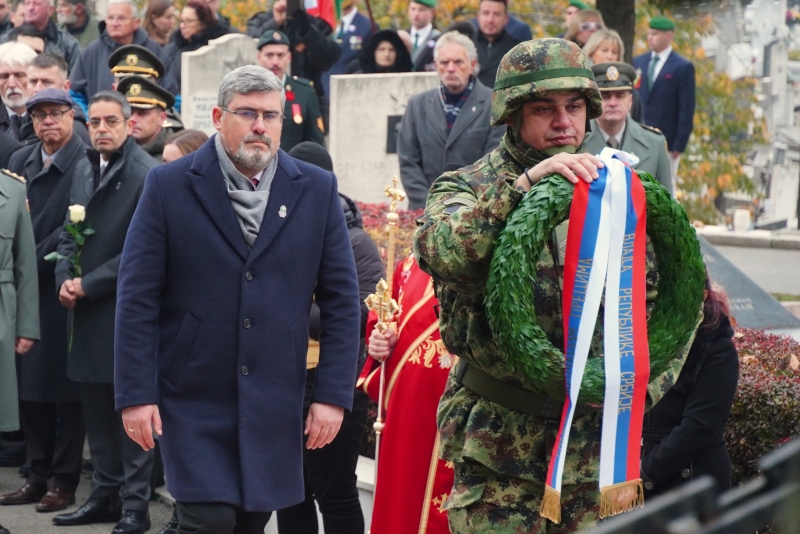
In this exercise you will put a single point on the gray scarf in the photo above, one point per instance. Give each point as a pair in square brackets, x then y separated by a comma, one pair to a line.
[248, 202]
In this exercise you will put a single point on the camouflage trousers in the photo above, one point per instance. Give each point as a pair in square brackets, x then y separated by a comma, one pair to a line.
[484, 501]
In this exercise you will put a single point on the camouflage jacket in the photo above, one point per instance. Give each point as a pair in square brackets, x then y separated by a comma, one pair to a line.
[466, 211]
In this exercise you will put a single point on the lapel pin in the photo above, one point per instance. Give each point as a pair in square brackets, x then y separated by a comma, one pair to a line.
[119, 184]
[282, 212]
[474, 109]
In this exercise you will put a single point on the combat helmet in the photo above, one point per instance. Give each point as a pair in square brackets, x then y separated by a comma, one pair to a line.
[535, 68]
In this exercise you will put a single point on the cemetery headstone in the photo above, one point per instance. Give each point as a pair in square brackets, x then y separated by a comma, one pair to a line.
[750, 305]
[365, 112]
[203, 69]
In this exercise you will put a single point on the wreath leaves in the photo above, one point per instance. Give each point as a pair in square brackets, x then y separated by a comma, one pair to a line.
[512, 275]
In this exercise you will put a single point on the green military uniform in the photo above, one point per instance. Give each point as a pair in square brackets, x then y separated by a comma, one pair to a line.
[132, 59]
[302, 118]
[19, 290]
[144, 93]
[645, 142]
[501, 455]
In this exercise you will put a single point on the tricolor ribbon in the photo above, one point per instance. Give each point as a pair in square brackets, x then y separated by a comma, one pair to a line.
[606, 244]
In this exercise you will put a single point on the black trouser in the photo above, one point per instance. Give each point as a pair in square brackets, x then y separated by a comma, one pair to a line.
[54, 434]
[218, 518]
[120, 464]
[330, 479]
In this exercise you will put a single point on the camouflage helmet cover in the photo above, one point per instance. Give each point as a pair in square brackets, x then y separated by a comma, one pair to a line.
[533, 69]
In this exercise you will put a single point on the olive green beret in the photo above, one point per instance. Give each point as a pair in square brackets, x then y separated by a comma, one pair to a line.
[578, 4]
[273, 37]
[427, 3]
[662, 23]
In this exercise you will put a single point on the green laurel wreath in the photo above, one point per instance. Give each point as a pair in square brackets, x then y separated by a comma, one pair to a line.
[512, 274]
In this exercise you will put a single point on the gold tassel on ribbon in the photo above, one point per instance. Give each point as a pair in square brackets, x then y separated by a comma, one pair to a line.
[622, 497]
[551, 505]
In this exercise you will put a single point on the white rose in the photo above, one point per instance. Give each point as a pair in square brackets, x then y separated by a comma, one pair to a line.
[77, 213]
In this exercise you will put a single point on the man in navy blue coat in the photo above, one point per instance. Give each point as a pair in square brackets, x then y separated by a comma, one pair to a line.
[351, 34]
[667, 89]
[226, 250]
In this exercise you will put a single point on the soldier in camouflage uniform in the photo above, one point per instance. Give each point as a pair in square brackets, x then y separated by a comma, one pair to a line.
[546, 94]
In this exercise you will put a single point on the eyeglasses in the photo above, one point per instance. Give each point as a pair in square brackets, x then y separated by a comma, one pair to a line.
[18, 75]
[111, 122]
[187, 21]
[590, 26]
[56, 114]
[250, 116]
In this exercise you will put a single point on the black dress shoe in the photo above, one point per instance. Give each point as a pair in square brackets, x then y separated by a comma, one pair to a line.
[133, 522]
[13, 456]
[169, 528]
[94, 510]
[4, 530]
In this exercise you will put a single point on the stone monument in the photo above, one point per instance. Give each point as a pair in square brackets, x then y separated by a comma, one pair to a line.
[365, 111]
[203, 69]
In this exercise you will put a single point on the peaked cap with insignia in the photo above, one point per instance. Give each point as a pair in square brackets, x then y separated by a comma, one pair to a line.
[144, 93]
[614, 76]
[135, 59]
[273, 37]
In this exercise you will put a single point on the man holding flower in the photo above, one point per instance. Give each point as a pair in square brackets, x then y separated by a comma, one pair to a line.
[105, 192]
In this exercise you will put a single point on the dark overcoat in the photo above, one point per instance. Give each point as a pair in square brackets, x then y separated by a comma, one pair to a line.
[683, 434]
[216, 333]
[43, 370]
[669, 105]
[109, 209]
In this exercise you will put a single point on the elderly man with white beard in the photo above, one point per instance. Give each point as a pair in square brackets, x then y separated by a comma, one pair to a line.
[227, 250]
[14, 86]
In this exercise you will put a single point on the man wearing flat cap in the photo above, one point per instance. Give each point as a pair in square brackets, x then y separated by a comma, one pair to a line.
[616, 129]
[667, 90]
[149, 104]
[49, 402]
[302, 117]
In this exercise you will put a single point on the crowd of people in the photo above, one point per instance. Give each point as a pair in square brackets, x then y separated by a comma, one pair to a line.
[113, 287]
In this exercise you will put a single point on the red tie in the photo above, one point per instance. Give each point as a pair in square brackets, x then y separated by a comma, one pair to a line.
[254, 181]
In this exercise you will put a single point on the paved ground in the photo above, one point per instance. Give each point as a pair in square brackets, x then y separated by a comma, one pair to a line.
[26, 520]
[775, 270]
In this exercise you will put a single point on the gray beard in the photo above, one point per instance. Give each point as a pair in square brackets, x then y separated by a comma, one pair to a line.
[69, 20]
[16, 101]
[255, 159]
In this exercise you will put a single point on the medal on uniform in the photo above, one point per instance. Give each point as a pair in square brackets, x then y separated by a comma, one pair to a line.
[297, 114]
[282, 212]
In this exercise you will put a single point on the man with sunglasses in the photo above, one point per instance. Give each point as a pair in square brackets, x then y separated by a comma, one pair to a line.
[228, 248]
[50, 409]
[492, 41]
[108, 184]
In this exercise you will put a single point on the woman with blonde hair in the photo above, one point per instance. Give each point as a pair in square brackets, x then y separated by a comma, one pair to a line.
[583, 25]
[606, 46]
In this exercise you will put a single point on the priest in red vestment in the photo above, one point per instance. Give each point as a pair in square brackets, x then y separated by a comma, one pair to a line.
[413, 482]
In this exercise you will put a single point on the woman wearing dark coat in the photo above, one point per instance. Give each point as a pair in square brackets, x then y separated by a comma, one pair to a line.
[384, 52]
[683, 433]
[197, 27]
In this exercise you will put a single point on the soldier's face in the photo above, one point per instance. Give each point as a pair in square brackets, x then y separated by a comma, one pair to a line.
[569, 14]
[555, 120]
[146, 123]
[39, 79]
[276, 58]
[419, 15]
[616, 106]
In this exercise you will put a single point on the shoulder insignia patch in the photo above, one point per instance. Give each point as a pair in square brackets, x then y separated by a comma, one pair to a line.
[14, 175]
[651, 128]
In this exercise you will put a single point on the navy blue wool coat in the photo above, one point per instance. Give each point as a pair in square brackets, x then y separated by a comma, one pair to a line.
[216, 334]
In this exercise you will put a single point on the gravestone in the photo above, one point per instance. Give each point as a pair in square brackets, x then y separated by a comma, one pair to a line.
[203, 69]
[751, 306]
[365, 110]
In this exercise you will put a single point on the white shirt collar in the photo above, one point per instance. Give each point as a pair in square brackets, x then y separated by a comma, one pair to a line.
[619, 135]
[11, 112]
[52, 157]
[423, 34]
[662, 60]
[347, 20]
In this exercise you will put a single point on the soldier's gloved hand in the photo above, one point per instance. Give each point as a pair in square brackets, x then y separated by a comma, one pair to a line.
[573, 167]
[381, 345]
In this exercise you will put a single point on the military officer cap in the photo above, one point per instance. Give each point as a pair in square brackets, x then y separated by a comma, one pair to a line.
[614, 76]
[273, 37]
[144, 93]
[662, 23]
[578, 4]
[135, 59]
